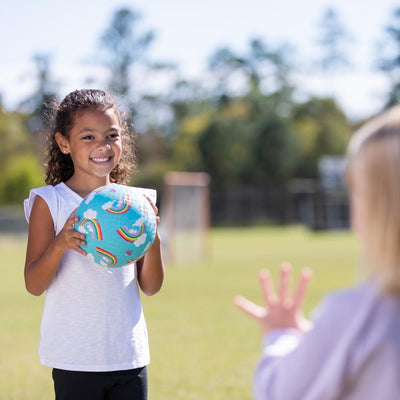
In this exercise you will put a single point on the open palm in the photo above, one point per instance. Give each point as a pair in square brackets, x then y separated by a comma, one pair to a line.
[281, 310]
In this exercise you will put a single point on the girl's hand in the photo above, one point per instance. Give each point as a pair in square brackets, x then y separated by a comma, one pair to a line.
[281, 310]
[69, 238]
[151, 267]
[154, 207]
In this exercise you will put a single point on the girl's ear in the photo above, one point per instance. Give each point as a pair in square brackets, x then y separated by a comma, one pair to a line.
[62, 142]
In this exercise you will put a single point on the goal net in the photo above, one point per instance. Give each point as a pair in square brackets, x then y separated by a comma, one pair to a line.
[185, 217]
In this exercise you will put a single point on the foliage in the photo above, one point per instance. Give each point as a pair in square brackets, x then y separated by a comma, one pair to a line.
[332, 38]
[241, 123]
[14, 137]
[275, 151]
[38, 105]
[21, 173]
[262, 67]
[19, 167]
[224, 148]
[322, 129]
[389, 59]
[123, 46]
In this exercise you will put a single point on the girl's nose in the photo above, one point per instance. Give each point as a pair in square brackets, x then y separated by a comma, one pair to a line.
[104, 145]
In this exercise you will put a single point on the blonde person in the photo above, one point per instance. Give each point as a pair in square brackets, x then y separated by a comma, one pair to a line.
[93, 332]
[352, 349]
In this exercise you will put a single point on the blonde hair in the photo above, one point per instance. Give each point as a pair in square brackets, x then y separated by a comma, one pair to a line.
[373, 170]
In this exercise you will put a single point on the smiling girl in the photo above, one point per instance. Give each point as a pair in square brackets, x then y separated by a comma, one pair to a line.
[93, 332]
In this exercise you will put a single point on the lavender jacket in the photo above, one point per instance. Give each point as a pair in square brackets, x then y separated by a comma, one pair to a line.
[353, 352]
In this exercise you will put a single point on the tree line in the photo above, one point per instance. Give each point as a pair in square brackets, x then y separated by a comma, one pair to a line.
[245, 124]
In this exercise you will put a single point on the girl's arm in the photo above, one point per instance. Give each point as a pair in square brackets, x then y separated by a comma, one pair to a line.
[45, 250]
[151, 268]
[282, 323]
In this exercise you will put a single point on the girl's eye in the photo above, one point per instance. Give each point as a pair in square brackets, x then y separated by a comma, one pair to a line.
[88, 137]
[114, 136]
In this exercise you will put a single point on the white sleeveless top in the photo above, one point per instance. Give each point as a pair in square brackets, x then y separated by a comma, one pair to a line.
[92, 318]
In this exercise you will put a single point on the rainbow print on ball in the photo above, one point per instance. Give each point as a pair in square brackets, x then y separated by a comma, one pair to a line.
[130, 235]
[119, 224]
[91, 225]
[109, 258]
[121, 207]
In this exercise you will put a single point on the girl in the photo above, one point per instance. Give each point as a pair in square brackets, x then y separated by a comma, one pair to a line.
[93, 332]
[353, 350]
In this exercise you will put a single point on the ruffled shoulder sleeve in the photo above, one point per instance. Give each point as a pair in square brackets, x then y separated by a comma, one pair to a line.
[48, 194]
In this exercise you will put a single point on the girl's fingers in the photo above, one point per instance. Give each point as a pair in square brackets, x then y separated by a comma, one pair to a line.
[78, 241]
[305, 277]
[248, 307]
[267, 289]
[284, 283]
[152, 204]
[71, 221]
[79, 250]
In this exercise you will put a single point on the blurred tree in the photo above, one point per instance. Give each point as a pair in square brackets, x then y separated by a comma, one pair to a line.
[224, 147]
[389, 58]
[123, 47]
[14, 137]
[20, 174]
[19, 166]
[191, 110]
[38, 106]
[263, 69]
[239, 148]
[186, 150]
[332, 38]
[275, 151]
[223, 64]
[322, 128]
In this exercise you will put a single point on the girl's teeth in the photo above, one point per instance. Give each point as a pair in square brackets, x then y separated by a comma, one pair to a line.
[100, 159]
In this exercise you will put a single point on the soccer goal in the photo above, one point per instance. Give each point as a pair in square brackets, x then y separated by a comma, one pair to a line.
[185, 217]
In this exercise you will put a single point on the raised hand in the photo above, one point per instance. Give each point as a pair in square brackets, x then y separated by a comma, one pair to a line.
[281, 310]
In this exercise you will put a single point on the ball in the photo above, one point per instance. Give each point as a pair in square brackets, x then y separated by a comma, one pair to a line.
[119, 223]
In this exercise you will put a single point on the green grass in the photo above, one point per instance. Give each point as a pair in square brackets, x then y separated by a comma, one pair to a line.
[201, 346]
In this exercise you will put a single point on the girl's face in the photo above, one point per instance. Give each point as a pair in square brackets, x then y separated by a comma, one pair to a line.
[94, 144]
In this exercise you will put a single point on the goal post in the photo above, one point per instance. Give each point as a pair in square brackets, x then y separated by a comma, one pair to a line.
[185, 217]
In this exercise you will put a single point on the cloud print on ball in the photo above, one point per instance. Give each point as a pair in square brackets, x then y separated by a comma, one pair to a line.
[119, 224]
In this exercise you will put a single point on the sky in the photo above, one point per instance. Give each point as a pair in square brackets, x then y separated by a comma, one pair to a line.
[187, 33]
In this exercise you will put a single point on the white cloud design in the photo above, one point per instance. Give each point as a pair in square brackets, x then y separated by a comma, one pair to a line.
[103, 263]
[89, 198]
[90, 214]
[140, 240]
[109, 204]
[139, 222]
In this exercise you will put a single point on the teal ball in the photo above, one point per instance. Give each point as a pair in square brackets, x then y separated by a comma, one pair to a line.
[119, 224]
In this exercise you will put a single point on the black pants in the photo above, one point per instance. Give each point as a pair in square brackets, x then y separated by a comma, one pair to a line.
[114, 385]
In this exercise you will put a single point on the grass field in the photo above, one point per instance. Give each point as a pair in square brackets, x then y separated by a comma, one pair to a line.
[201, 346]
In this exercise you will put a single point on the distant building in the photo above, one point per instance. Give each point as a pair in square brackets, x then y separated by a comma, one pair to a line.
[333, 186]
[322, 203]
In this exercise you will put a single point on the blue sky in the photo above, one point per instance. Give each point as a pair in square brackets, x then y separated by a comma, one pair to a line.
[187, 33]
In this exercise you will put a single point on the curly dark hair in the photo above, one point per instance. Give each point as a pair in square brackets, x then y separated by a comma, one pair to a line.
[59, 166]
